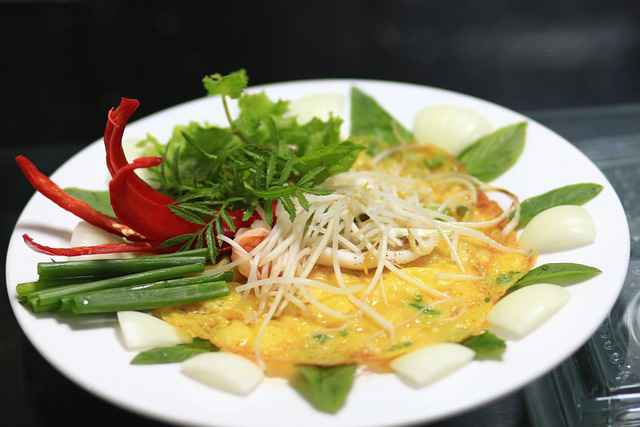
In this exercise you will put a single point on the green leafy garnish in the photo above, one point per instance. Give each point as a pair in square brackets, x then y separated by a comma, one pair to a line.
[325, 388]
[400, 346]
[576, 194]
[321, 338]
[508, 277]
[461, 210]
[421, 307]
[434, 163]
[494, 154]
[98, 200]
[230, 85]
[486, 346]
[261, 157]
[372, 125]
[174, 354]
[563, 274]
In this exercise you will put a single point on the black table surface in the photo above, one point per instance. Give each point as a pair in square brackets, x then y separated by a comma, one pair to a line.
[34, 394]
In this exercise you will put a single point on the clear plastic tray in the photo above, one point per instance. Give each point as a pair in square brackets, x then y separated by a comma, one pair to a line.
[600, 384]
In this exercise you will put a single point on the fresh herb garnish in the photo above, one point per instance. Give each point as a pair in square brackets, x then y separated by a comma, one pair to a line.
[174, 354]
[434, 163]
[421, 307]
[324, 387]
[400, 346]
[576, 194]
[563, 273]
[508, 277]
[373, 126]
[486, 346]
[261, 157]
[494, 154]
[98, 200]
[320, 338]
[461, 210]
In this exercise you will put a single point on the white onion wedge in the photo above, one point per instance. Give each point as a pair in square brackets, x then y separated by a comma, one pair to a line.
[224, 371]
[559, 228]
[142, 331]
[449, 127]
[85, 234]
[519, 313]
[431, 363]
[320, 105]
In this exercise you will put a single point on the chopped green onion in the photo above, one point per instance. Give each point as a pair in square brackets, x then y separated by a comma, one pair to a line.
[173, 283]
[147, 299]
[98, 269]
[48, 296]
[192, 252]
[25, 289]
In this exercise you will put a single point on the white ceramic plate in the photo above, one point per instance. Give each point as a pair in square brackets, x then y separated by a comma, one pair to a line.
[94, 359]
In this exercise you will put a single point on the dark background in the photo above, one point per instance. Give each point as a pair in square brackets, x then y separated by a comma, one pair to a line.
[64, 63]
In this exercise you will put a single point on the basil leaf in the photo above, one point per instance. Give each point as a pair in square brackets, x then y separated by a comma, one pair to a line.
[562, 273]
[372, 125]
[324, 387]
[486, 346]
[494, 154]
[98, 200]
[174, 354]
[576, 194]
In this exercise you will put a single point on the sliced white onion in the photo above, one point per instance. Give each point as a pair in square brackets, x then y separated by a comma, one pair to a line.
[558, 229]
[449, 127]
[431, 363]
[85, 234]
[319, 105]
[519, 313]
[224, 371]
[143, 331]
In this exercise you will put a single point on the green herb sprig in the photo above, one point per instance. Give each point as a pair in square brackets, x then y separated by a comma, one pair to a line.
[261, 157]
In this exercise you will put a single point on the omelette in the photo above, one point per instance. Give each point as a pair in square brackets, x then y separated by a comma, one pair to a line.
[443, 295]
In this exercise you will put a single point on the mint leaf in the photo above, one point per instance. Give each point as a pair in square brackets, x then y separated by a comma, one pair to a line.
[230, 85]
[98, 200]
[486, 346]
[324, 387]
[372, 125]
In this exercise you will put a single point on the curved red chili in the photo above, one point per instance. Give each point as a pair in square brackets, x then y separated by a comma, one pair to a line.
[81, 209]
[110, 248]
[152, 219]
[116, 121]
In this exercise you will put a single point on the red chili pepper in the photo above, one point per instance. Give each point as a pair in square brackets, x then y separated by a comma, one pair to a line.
[110, 248]
[81, 209]
[150, 218]
[116, 121]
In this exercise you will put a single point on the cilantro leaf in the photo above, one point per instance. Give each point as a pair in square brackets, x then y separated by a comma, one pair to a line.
[257, 107]
[372, 125]
[230, 85]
